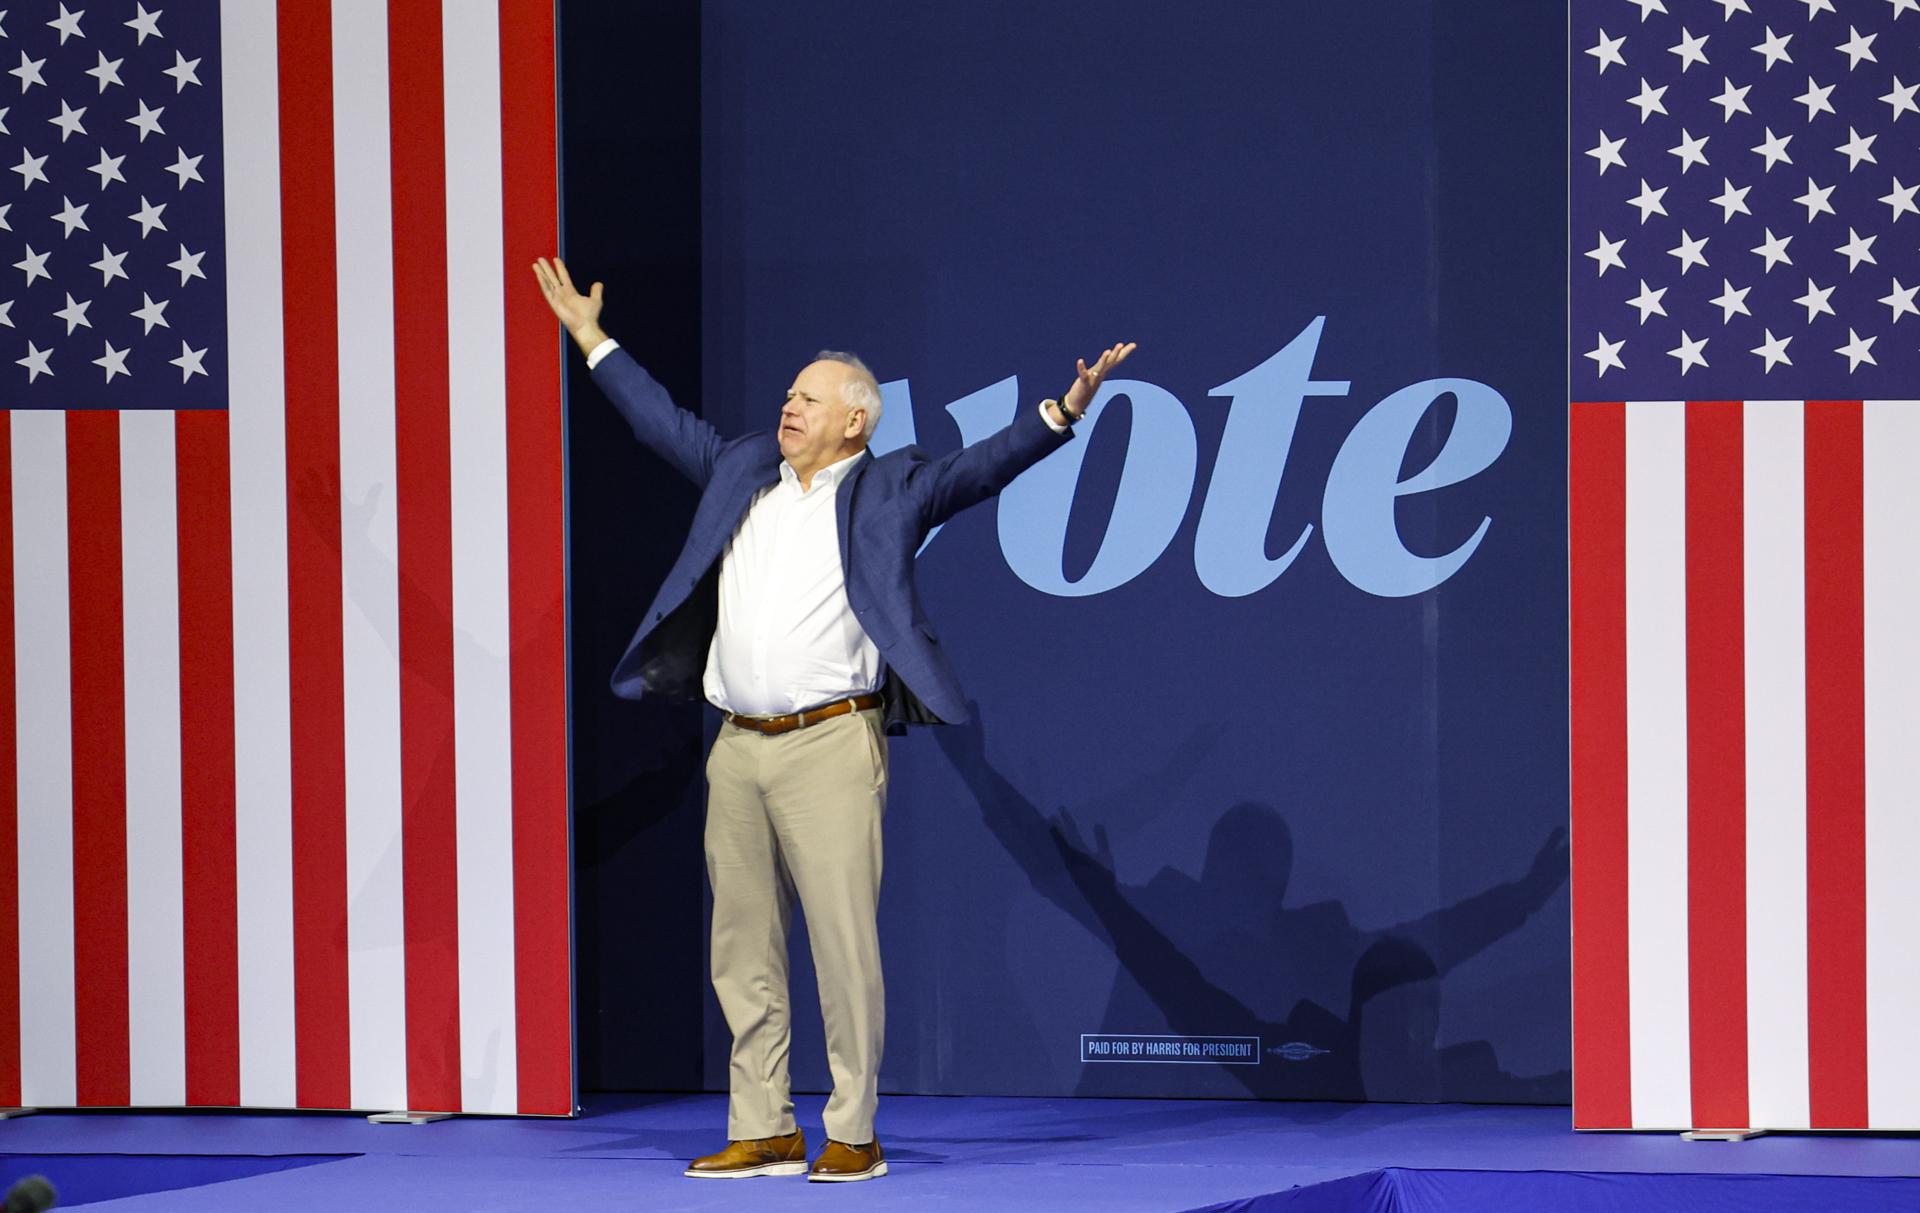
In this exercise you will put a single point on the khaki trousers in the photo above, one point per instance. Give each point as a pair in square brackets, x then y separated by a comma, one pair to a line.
[798, 815]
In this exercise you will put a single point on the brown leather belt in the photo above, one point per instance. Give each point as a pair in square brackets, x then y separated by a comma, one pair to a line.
[773, 726]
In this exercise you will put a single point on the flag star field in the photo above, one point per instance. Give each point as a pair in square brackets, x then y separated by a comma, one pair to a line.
[1744, 199]
[112, 293]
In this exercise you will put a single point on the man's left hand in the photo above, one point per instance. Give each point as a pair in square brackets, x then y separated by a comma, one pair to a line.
[1081, 394]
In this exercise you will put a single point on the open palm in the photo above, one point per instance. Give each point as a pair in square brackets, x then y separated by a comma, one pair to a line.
[1087, 383]
[578, 312]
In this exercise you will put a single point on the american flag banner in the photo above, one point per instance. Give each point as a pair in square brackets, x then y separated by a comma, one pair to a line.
[1740, 172]
[283, 774]
[1746, 782]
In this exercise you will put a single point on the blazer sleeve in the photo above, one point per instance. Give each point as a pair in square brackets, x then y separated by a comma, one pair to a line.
[682, 439]
[945, 486]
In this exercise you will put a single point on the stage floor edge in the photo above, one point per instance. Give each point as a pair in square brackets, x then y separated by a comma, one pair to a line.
[626, 1152]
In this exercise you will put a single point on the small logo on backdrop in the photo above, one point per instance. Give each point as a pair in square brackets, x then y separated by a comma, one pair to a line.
[1296, 1050]
[1177, 1050]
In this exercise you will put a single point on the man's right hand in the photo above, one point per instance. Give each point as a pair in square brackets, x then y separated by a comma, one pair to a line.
[580, 313]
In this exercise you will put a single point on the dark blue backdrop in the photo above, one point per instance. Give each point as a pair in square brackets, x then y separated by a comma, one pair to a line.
[1216, 787]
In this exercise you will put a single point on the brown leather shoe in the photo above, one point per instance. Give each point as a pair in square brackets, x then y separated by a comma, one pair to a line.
[841, 1163]
[745, 1159]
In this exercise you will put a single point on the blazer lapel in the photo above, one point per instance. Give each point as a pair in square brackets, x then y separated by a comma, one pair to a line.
[761, 472]
[843, 510]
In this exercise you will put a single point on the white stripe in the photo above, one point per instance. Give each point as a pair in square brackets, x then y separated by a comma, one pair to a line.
[1774, 554]
[1891, 432]
[376, 958]
[482, 703]
[257, 432]
[156, 920]
[43, 710]
[1657, 764]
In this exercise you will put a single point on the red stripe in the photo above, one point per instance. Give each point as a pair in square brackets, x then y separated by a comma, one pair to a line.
[208, 876]
[1597, 634]
[97, 630]
[9, 796]
[318, 738]
[1716, 765]
[425, 523]
[536, 539]
[1836, 770]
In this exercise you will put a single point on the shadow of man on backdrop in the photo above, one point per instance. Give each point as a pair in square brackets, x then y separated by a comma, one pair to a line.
[1342, 1013]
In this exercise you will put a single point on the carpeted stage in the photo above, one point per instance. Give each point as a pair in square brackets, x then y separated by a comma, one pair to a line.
[626, 1153]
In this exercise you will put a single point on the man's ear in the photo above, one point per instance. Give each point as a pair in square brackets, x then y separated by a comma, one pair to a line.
[855, 429]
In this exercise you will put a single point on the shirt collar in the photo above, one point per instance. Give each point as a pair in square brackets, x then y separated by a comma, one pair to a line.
[827, 476]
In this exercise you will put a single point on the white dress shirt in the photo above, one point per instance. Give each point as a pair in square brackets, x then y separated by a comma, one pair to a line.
[787, 639]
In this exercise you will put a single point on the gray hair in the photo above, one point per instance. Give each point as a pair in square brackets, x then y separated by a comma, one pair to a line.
[862, 390]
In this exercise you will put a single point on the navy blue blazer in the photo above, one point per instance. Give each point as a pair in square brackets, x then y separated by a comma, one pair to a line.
[885, 507]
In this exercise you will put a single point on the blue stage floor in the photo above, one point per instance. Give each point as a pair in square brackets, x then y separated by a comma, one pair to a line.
[626, 1153]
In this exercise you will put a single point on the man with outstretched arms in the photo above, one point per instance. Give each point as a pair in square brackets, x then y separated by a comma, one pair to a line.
[792, 609]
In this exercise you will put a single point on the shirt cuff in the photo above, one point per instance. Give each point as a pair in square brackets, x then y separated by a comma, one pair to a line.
[1045, 416]
[601, 351]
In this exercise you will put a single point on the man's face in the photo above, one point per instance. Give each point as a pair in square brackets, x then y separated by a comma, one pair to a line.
[815, 421]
